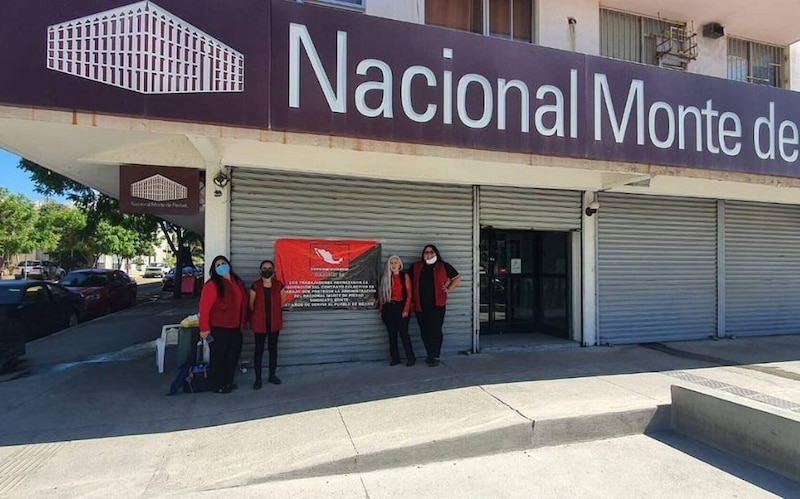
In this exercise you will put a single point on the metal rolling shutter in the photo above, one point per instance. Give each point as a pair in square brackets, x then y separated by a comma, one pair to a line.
[762, 269]
[402, 216]
[656, 268]
[539, 209]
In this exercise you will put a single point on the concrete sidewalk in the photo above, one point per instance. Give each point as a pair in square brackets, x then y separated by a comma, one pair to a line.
[106, 428]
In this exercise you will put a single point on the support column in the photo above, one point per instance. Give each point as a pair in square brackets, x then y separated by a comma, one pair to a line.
[217, 207]
[217, 215]
[589, 260]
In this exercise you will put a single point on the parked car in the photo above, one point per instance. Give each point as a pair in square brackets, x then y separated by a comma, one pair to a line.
[104, 290]
[168, 282]
[38, 269]
[32, 309]
[156, 270]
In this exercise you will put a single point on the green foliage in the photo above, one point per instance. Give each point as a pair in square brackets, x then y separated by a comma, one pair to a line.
[18, 219]
[48, 229]
[99, 227]
[50, 184]
[115, 240]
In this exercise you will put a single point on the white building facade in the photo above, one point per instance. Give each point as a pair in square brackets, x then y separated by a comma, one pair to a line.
[598, 172]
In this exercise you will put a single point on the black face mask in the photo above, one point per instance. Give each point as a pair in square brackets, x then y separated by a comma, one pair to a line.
[266, 274]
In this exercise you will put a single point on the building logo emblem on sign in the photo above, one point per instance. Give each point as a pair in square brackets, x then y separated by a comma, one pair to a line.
[159, 188]
[144, 48]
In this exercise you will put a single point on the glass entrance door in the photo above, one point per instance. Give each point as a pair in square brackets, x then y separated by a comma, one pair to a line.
[524, 282]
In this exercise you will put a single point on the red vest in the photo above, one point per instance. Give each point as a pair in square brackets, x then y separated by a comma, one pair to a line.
[230, 311]
[257, 317]
[439, 281]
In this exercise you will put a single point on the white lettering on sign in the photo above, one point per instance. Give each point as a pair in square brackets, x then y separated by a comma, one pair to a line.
[727, 130]
[549, 116]
[663, 125]
[298, 35]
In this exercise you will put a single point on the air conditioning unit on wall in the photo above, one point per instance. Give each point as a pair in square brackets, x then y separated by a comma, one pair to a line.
[676, 46]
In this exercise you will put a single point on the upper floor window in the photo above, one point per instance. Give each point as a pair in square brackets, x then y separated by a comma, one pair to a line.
[510, 19]
[353, 4]
[647, 40]
[755, 62]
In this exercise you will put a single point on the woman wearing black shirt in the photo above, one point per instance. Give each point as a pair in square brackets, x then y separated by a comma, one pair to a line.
[433, 280]
[266, 319]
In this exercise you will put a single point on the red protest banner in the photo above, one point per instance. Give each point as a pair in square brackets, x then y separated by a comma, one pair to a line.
[328, 274]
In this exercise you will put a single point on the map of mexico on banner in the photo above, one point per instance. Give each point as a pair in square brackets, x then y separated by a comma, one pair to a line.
[328, 274]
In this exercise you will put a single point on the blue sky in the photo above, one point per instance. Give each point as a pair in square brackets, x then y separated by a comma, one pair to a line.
[18, 181]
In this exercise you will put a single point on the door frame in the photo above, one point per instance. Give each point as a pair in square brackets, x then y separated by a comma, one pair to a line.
[489, 233]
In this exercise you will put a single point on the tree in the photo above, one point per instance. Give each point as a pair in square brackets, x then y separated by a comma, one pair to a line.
[74, 249]
[184, 246]
[48, 227]
[98, 208]
[49, 183]
[115, 240]
[17, 225]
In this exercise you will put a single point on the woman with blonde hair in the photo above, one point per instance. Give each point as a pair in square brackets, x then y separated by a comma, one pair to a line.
[394, 298]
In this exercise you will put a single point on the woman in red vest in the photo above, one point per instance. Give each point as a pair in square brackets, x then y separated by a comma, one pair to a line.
[395, 302]
[433, 280]
[267, 298]
[223, 314]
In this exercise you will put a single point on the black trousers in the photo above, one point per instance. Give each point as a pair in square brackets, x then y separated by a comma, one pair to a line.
[271, 339]
[225, 351]
[392, 315]
[430, 326]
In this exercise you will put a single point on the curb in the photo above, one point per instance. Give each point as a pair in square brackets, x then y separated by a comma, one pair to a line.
[513, 437]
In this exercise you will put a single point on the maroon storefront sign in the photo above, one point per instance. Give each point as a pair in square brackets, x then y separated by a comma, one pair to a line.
[345, 74]
[298, 67]
[159, 190]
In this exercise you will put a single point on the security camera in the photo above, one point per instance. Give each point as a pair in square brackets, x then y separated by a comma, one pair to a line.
[592, 208]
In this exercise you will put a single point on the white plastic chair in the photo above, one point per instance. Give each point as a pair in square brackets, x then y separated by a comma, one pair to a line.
[169, 336]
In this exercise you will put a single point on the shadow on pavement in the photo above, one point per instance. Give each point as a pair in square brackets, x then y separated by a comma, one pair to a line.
[126, 396]
[760, 477]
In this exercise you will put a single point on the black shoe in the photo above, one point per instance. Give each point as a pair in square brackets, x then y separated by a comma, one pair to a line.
[429, 360]
[411, 362]
[394, 362]
[224, 389]
[274, 380]
[434, 363]
[257, 384]
[234, 386]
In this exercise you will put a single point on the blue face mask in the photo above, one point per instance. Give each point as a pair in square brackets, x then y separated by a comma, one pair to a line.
[224, 269]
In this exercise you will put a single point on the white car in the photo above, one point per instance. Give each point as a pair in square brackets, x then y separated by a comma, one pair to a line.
[38, 269]
[156, 270]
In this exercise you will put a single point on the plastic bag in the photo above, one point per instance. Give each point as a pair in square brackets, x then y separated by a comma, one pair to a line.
[191, 321]
[203, 352]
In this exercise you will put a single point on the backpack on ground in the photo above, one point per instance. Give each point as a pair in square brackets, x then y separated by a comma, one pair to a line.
[194, 377]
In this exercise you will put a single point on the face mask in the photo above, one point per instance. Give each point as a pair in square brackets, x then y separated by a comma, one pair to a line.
[431, 260]
[224, 269]
[266, 274]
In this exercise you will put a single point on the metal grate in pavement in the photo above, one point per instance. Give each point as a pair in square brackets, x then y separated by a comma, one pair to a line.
[735, 390]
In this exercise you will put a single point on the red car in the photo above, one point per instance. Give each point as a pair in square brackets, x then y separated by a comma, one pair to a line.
[103, 290]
